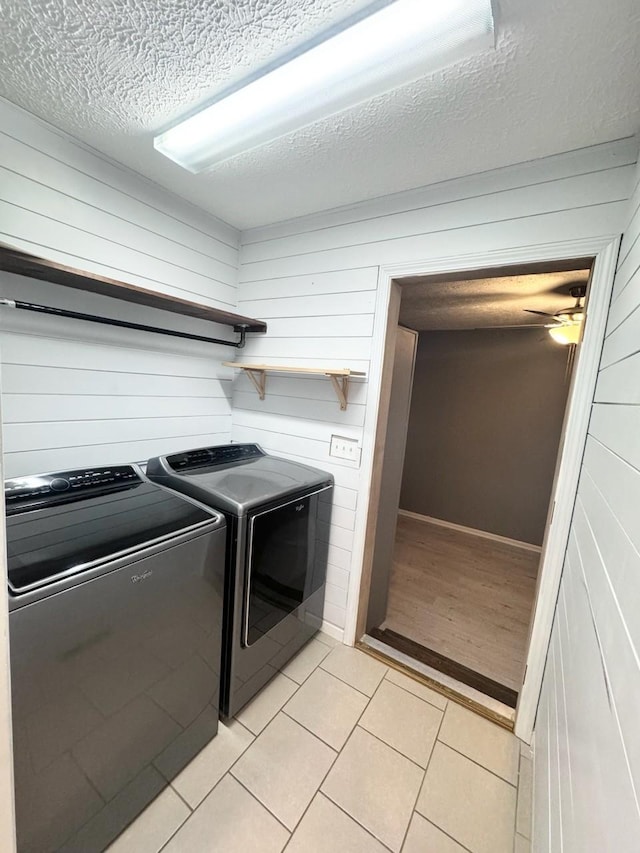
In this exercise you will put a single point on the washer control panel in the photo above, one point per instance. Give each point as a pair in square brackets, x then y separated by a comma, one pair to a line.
[39, 489]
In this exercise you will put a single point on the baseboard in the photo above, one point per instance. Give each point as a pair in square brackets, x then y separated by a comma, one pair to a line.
[332, 631]
[482, 534]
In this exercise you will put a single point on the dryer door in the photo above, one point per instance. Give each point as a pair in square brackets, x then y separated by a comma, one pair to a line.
[281, 551]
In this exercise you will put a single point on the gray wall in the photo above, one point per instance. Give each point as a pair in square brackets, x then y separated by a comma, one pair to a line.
[484, 428]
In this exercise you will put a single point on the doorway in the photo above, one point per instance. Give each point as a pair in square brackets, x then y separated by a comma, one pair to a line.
[463, 510]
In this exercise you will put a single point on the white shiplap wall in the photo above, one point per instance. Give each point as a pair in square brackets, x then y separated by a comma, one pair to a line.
[315, 280]
[77, 394]
[324, 319]
[587, 756]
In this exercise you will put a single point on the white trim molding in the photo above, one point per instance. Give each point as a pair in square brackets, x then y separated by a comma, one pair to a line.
[472, 531]
[605, 250]
[332, 630]
[566, 484]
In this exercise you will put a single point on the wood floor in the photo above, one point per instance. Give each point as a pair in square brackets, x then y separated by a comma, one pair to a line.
[463, 596]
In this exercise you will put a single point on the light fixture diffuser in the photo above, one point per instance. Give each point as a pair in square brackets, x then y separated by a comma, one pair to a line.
[393, 45]
[567, 333]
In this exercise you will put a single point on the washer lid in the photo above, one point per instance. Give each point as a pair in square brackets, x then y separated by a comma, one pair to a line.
[235, 478]
[56, 533]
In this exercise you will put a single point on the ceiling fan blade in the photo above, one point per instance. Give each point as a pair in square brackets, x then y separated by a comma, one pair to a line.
[510, 326]
[539, 313]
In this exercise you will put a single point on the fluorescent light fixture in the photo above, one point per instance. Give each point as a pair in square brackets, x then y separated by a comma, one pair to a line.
[391, 46]
[567, 333]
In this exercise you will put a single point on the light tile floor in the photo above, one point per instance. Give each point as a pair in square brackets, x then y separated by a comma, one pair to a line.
[341, 753]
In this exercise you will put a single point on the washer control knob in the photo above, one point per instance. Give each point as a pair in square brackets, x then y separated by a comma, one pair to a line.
[59, 484]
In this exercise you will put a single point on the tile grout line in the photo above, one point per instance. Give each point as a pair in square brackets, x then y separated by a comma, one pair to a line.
[477, 763]
[293, 720]
[329, 769]
[515, 815]
[357, 822]
[272, 718]
[317, 736]
[179, 795]
[182, 822]
[242, 726]
[388, 745]
[301, 818]
[361, 692]
[338, 754]
[443, 743]
[259, 801]
[315, 636]
[324, 657]
[518, 801]
[356, 726]
[221, 779]
[173, 834]
[287, 700]
[440, 829]
[354, 819]
[445, 699]
[426, 770]
[346, 682]
[210, 791]
[228, 770]
[293, 681]
[529, 805]
[282, 711]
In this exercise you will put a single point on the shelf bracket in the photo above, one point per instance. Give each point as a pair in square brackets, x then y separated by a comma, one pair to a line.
[341, 387]
[258, 379]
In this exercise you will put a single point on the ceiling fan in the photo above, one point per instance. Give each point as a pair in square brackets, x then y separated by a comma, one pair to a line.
[567, 323]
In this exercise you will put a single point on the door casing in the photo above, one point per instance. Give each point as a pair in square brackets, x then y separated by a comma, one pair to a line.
[604, 252]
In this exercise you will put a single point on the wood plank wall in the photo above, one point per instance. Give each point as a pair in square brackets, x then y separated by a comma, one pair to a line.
[76, 394]
[314, 280]
[587, 740]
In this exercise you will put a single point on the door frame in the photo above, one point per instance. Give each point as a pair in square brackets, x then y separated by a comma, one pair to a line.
[604, 250]
[381, 536]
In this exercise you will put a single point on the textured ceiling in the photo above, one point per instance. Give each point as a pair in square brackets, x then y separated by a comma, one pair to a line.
[484, 303]
[564, 75]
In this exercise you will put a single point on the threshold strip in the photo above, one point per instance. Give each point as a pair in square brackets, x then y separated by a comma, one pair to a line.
[447, 666]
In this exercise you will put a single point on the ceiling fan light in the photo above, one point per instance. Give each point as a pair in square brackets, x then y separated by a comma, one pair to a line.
[567, 333]
[393, 45]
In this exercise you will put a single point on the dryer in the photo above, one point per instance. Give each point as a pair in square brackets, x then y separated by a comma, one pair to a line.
[278, 514]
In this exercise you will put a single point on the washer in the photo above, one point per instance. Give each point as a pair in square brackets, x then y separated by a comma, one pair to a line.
[278, 515]
[116, 600]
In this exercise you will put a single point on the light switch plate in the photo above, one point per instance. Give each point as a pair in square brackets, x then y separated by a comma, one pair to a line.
[345, 448]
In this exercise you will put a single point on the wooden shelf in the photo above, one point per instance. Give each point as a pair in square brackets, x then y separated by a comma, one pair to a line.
[339, 376]
[22, 263]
